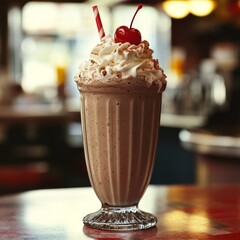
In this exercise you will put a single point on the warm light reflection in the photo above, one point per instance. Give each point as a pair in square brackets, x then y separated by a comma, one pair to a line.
[48, 210]
[201, 8]
[180, 9]
[182, 221]
[176, 9]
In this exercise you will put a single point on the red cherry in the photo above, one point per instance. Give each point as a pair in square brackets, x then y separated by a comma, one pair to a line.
[124, 34]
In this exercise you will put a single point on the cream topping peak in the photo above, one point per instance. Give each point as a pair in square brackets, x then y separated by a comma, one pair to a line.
[110, 60]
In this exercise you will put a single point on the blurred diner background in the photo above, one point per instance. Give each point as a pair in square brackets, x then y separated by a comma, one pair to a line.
[42, 43]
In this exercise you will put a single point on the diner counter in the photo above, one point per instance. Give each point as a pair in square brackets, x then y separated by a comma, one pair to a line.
[183, 212]
[36, 113]
[206, 142]
[71, 111]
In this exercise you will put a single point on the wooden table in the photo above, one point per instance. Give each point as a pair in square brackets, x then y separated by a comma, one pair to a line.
[184, 212]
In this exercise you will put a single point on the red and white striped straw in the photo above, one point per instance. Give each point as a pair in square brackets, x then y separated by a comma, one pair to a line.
[98, 22]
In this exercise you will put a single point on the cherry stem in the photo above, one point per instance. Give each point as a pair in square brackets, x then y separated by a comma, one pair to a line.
[139, 7]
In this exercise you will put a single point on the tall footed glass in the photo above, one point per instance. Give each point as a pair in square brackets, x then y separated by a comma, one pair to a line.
[120, 131]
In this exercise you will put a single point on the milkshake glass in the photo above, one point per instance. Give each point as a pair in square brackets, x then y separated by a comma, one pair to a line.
[120, 115]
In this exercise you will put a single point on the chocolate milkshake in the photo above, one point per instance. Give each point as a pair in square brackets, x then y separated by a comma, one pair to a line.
[121, 90]
[120, 129]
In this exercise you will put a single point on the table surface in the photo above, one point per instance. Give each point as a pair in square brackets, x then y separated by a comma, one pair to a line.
[183, 212]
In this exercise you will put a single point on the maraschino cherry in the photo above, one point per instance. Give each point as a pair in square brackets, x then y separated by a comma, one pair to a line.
[124, 34]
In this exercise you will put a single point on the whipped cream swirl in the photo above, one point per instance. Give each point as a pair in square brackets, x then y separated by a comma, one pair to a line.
[117, 61]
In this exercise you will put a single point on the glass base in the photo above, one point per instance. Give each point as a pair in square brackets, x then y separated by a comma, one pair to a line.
[120, 219]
